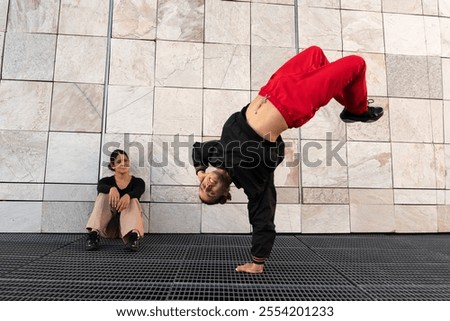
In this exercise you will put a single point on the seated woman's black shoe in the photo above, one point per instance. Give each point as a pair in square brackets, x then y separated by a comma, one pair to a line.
[372, 114]
[133, 242]
[92, 241]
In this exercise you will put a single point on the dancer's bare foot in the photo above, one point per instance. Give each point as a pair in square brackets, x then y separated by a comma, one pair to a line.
[251, 268]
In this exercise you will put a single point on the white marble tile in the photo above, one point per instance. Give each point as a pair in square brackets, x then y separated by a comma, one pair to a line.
[77, 107]
[418, 165]
[28, 56]
[227, 22]
[266, 31]
[227, 218]
[415, 219]
[377, 131]
[444, 8]
[171, 162]
[416, 196]
[325, 196]
[437, 120]
[443, 219]
[367, 5]
[404, 34]
[369, 164]
[84, 17]
[70, 193]
[430, 7]
[174, 194]
[219, 105]
[446, 78]
[285, 2]
[326, 124]
[445, 40]
[288, 218]
[20, 217]
[34, 100]
[23, 156]
[80, 59]
[362, 31]
[372, 218]
[130, 110]
[178, 111]
[265, 61]
[403, 6]
[21, 192]
[320, 26]
[227, 66]
[175, 218]
[417, 127]
[3, 14]
[325, 219]
[132, 62]
[323, 3]
[65, 217]
[72, 158]
[433, 36]
[446, 121]
[287, 173]
[179, 64]
[324, 164]
[375, 74]
[181, 20]
[2, 38]
[33, 16]
[135, 19]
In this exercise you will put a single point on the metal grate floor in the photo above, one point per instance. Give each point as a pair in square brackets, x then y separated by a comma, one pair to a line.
[359, 267]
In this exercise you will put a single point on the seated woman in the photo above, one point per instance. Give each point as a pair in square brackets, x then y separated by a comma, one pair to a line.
[117, 212]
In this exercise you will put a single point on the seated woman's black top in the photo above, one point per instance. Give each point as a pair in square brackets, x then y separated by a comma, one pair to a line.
[135, 188]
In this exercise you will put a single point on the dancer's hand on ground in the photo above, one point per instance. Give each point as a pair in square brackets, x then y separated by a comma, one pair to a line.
[251, 268]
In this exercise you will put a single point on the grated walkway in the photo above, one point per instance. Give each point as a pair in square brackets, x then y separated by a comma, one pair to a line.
[350, 267]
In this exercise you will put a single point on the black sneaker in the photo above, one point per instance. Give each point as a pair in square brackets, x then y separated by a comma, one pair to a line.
[371, 115]
[92, 241]
[133, 242]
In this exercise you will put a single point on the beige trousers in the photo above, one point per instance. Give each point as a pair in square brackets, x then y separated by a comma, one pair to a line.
[110, 224]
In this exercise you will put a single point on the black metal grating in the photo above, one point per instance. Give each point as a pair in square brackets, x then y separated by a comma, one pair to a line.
[201, 267]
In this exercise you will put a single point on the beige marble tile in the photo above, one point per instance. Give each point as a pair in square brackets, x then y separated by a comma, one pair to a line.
[227, 218]
[287, 195]
[417, 127]
[266, 31]
[23, 156]
[20, 217]
[437, 120]
[287, 173]
[323, 3]
[175, 218]
[34, 100]
[288, 218]
[430, 7]
[403, 6]
[72, 158]
[375, 74]
[171, 161]
[178, 111]
[446, 121]
[130, 110]
[265, 61]
[433, 36]
[325, 196]
[444, 8]
[219, 105]
[446, 78]
[77, 107]
[326, 124]
[135, 19]
[416, 196]
[3, 14]
[132, 62]
[320, 26]
[80, 59]
[445, 40]
[404, 34]
[325, 219]
[21, 192]
[179, 64]
[28, 56]
[369, 164]
[372, 218]
[418, 165]
[33, 16]
[443, 219]
[174, 194]
[286, 2]
[367, 5]
[227, 66]
[362, 31]
[415, 219]
[227, 22]
[68, 217]
[181, 20]
[359, 196]
[84, 17]
[324, 164]
[70, 193]
[2, 38]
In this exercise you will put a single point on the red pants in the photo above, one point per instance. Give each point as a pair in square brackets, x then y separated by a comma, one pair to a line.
[309, 81]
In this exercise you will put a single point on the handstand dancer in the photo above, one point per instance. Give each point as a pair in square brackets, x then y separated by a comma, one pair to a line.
[251, 147]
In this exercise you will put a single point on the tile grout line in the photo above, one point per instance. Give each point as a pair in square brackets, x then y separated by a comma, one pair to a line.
[105, 84]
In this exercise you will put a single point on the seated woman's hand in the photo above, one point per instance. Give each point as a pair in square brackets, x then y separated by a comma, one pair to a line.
[114, 197]
[123, 203]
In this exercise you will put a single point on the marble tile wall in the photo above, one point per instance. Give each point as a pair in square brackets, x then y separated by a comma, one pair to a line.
[79, 78]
